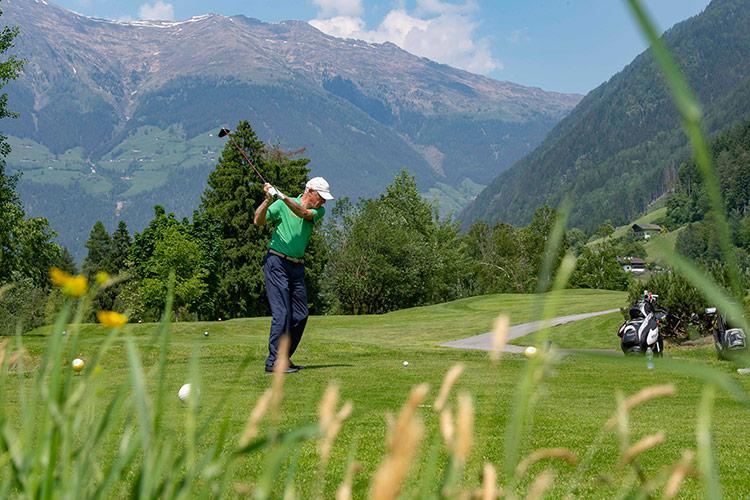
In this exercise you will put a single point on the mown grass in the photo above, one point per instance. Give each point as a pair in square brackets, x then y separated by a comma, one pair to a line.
[365, 354]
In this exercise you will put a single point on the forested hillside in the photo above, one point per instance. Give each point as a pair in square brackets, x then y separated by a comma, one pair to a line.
[621, 146]
[689, 205]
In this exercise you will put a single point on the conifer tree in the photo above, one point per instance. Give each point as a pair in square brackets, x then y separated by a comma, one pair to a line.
[120, 249]
[99, 246]
[232, 195]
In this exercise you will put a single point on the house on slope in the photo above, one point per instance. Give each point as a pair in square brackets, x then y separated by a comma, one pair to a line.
[645, 231]
[633, 265]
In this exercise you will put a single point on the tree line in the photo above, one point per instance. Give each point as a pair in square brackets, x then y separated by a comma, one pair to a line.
[369, 256]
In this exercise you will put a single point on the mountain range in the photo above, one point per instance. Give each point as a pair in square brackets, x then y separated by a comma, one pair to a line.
[622, 145]
[115, 117]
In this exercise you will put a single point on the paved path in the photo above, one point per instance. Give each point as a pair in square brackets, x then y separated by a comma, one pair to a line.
[483, 342]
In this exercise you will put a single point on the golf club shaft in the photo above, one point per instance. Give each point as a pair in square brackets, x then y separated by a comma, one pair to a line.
[247, 159]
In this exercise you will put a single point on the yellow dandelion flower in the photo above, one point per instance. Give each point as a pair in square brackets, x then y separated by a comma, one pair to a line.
[111, 319]
[102, 277]
[58, 276]
[76, 286]
[73, 286]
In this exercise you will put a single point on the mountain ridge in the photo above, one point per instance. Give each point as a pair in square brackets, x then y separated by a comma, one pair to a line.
[96, 94]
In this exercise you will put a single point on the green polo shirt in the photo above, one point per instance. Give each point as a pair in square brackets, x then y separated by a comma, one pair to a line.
[291, 233]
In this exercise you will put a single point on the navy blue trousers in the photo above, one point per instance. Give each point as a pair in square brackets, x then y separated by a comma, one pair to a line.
[287, 295]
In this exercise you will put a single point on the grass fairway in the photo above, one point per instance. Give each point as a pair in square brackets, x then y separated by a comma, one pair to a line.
[365, 355]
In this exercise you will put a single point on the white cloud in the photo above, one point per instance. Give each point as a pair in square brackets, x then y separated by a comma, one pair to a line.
[438, 7]
[334, 8]
[159, 10]
[441, 31]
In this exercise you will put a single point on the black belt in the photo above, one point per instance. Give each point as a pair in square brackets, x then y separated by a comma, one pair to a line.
[286, 257]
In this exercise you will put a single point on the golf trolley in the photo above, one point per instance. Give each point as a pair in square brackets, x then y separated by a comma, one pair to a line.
[640, 332]
[729, 342]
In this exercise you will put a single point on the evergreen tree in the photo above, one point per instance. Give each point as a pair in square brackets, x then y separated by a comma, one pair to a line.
[232, 195]
[119, 249]
[66, 262]
[99, 246]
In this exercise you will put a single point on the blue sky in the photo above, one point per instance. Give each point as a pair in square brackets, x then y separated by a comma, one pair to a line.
[561, 45]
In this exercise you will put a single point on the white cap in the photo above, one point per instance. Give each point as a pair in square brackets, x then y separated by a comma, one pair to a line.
[320, 185]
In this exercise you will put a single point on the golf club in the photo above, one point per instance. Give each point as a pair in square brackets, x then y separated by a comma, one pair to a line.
[226, 132]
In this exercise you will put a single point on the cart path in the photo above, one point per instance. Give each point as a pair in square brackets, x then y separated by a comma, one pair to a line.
[483, 342]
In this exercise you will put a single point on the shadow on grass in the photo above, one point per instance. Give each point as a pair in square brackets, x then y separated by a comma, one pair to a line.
[318, 367]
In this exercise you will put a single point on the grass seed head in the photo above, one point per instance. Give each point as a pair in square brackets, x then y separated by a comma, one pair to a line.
[402, 446]
[330, 420]
[499, 336]
[642, 396]
[489, 483]
[465, 427]
[277, 385]
[447, 429]
[448, 382]
[344, 492]
[641, 446]
[681, 470]
[540, 485]
[256, 415]
[544, 453]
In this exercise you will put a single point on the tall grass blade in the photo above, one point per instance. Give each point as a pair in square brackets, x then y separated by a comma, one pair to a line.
[523, 401]
[164, 335]
[706, 463]
[143, 417]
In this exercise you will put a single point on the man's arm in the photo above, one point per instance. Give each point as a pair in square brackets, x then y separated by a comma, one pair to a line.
[298, 209]
[260, 213]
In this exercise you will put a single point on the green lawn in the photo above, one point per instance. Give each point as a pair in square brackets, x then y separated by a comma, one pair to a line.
[365, 354]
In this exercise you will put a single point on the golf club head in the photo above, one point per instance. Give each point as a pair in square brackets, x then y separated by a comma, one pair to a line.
[223, 132]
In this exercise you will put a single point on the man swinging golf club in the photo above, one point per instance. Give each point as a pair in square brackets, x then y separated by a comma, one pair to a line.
[284, 267]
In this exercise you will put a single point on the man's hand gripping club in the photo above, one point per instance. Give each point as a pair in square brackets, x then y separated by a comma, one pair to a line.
[272, 191]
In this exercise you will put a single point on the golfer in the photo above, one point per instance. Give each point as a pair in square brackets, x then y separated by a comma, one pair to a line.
[284, 266]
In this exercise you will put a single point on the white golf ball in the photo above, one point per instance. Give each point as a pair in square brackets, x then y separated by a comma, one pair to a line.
[205, 334]
[530, 351]
[406, 363]
[184, 392]
[77, 365]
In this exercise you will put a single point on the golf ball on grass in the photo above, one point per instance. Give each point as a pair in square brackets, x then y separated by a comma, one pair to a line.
[406, 363]
[205, 334]
[77, 365]
[530, 351]
[185, 392]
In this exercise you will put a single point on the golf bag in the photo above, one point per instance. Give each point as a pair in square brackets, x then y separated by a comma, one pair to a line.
[728, 341]
[641, 330]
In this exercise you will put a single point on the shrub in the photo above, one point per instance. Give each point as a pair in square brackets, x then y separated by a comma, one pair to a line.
[680, 299]
[22, 307]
